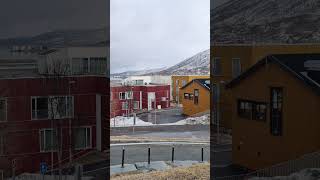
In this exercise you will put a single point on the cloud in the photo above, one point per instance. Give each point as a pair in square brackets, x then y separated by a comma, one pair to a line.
[157, 33]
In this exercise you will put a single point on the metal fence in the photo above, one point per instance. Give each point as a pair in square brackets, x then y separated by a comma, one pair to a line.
[311, 160]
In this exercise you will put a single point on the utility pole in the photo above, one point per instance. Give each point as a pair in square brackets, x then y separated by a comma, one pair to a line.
[70, 123]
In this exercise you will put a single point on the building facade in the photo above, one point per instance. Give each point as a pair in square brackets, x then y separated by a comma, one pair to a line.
[229, 61]
[275, 110]
[53, 108]
[196, 97]
[178, 81]
[128, 99]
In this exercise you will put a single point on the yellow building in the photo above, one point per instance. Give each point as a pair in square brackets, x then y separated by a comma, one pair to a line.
[178, 81]
[275, 110]
[229, 61]
[196, 96]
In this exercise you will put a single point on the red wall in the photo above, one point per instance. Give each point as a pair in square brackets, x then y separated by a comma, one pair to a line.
[160, 91]
[22, 133]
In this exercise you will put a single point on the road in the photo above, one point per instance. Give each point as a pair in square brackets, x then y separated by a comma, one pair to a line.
[163, 116]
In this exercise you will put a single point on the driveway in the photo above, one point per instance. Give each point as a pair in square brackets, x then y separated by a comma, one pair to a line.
[163, 116]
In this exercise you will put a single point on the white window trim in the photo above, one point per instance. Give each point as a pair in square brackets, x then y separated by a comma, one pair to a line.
[126, 106]
[88, 147]
[127, 95]
[120, 97]
[48, 118]
[6, 112]
[138, 104]
[41, 150]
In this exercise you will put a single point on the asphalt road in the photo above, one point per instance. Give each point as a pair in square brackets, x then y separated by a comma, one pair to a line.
[163, 116]
[139, 153]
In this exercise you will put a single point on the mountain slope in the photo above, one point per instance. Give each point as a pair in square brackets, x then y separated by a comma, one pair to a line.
[271, 21]
[61, 38]
[196, 65]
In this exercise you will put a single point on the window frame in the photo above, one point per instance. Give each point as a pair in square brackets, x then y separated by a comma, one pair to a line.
[252, 104]
[51, 150]
[196, 97]
[138, 105]
[6, 109]
[186, 95]
[280, 133]
[120, 95]
[127, 105]
[217, 71]
[87, 147]
[233, 67]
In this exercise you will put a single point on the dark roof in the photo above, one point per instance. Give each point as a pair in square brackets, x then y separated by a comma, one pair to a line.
[203, 82]
[305, 67]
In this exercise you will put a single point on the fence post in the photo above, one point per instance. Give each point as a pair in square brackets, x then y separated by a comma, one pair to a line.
[201, 154]
[122, 163]
[149, 155]
[172, 154]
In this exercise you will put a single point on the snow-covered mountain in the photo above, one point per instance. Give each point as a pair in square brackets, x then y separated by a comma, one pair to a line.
[138, 72]
[267, 21]
[196, 65]
[60, 38]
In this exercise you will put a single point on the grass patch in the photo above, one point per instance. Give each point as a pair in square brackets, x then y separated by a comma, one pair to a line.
[199, 171]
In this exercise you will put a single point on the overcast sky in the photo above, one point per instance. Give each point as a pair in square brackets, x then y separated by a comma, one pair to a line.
[157, 33]
[33, 17]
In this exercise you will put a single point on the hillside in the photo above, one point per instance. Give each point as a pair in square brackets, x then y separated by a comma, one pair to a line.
[272, 21]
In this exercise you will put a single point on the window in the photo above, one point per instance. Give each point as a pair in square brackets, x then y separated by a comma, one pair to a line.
[40, 108]
[244, 109]
[48, 140]
[252, 110]
[259, 111]
[98, 65]
[196, 96]
[82, 138]
[124, 105]
[186, 95]
[136, 105]
[3, 109]
[236, 67]
[129, 95]
[216, 66]
[122, 95]
[2, 145]
[60, 107]
[184, 82]
[191, 96]
[276, 111]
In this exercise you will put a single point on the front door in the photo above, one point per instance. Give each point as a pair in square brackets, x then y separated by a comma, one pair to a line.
[276, 111]
[151, 100]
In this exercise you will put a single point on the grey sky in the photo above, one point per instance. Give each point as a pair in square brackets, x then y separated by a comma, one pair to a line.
[156, 33]
[32, 17]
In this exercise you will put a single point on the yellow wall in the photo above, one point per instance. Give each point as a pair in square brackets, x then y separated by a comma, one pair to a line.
[301, 125]
[248, 55]
[187, 78]
[189, 108]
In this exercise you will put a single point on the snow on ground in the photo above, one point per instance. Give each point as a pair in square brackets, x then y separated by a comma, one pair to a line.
[306, 174]
[121, 121]
[205, 119]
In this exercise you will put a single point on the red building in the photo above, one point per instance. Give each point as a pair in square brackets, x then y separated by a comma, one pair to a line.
[128, 99]
[48, 118]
